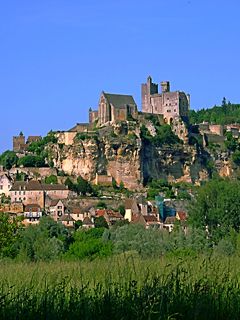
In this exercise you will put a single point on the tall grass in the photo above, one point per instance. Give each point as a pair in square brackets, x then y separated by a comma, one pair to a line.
[125, 287]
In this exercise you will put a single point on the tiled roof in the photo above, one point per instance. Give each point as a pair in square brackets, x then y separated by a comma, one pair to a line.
[48, 187]
[32, 185]
[150, 218]
[66, 217]
[129, 203]
[119, 100]
[35, 185]
[54, 202]
[87, 221]
[32, 208]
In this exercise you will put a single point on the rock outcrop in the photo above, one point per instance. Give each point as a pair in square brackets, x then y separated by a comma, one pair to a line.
[119, 150]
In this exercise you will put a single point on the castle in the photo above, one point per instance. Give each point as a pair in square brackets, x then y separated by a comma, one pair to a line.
[116, 107]
[119, 107]
[168, 104]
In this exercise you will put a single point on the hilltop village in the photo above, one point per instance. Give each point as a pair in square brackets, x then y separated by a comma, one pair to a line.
[124, 164]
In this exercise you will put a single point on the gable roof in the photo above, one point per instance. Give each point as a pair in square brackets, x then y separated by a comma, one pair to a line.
[119, 100]
[87, 221]
[32, 185]
[150, 218]
[48, 187]
[32, 208]
[54, 202]
[129, 203]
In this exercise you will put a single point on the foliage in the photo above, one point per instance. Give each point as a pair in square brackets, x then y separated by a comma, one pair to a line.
[230, 142]
[101, 205]
[227, 113]
[52, 179]
[100, 222]
[9, 234]
[127, 287]
[32, 161]
[121, 209]
[83, 186]
[45, 241]
[164, 135]
[8, 159]
[217, 208]
[89, 244]
[37, 147]
[236, 157]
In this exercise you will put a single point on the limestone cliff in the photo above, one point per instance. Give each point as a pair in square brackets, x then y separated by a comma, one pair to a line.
[121, 151]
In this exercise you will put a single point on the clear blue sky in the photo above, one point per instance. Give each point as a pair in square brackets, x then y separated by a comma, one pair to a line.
[56, 56]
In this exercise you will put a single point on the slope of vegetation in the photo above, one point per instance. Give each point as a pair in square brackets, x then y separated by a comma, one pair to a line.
[225, 114]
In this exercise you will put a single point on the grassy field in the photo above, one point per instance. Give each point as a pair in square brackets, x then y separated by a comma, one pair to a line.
[124, 287]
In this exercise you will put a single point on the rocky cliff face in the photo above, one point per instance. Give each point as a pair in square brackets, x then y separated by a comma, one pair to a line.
[120, 151]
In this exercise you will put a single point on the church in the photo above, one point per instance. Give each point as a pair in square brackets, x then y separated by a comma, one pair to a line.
[114, 108]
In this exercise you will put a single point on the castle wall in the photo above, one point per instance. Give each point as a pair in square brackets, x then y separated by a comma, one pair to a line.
[216, 128]
[67, 137]
[93, 116]
[103, 180]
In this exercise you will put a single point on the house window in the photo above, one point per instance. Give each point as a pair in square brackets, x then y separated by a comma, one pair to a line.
[1, 187]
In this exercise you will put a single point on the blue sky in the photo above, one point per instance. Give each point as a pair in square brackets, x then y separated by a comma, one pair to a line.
[56, 56]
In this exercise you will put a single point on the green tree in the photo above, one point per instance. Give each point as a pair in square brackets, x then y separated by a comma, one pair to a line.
[216, 208]
[83, 186]
[8, 159]
[89, 244]
[45, 241]
[9, 234]
[100, 222]
[52, 179]
[101, 205]
[236, 157]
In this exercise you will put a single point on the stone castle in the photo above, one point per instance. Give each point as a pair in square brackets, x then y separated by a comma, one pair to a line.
[167, 103]
[118, 107]
[114, 108]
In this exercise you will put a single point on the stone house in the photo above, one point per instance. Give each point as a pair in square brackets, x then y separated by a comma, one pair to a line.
[5, 184]
[67, 221]
[56, 209]
[28, 193]
[56, 191]
[32, 214]
[78, 213]
[87, 223]
[131, 209]
[167, 103]
[34, 192]
[110, 216]
[148, 221]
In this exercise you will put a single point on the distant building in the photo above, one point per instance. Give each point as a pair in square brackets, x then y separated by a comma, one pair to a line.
[5, 184]
[19, 143]
[114, 108]
[169, 104]
[34, 192]
[32, 214]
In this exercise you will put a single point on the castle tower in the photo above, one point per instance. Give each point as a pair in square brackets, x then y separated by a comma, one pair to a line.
[19, 143]
[148, 89]
[165, 86]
